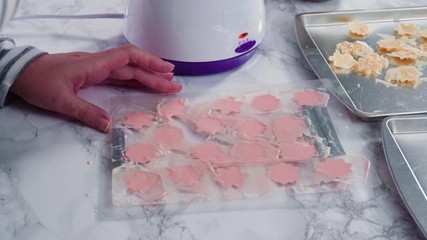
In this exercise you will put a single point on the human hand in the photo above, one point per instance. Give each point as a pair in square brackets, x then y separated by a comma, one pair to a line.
[53, 81]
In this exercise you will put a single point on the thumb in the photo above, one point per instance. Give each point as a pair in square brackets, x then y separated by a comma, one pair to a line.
[87, 113]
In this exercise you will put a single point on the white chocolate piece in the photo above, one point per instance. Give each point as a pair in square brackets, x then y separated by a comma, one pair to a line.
[423, 48]
[390, 45]
[407, 30]
[371, 66]
[358, 30]
[407, 55]
[423, 36]
[404, 76]
[356, 49]
[342, 63]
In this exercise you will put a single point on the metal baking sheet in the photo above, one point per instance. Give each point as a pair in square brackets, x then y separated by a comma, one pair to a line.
[318, 34]
[405, 145]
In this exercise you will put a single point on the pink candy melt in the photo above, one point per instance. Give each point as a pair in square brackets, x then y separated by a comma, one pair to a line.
[145, 184]
[185, 176]
[168, 135]
[283, 173]
[250, 127]
[208, 125]
[296, 151]
[229, 177]
[311, 98]
[265, 103]
[288, 128]
[173, 108]
[228, 105]
[137, 120]
[334, 168]
[268, 143]
[141, 153]
[208, 150]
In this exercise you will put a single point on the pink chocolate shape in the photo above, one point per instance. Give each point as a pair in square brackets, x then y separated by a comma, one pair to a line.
[265, 103]
[229, 122]
[311, 98]
[185, 176]
[229, 177]
[288, 128]
[173, 108]
[297, 151]
[207, 150]
[334, 168]
[147, 185]
[283, 173]
[248, 150]
[141, 153]
[250, 127]
[137, 120]
[168, 135]
[253, 151]
[227, 105]
[207, 124]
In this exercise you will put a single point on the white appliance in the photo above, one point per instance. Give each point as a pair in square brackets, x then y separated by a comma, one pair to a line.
[198, 36]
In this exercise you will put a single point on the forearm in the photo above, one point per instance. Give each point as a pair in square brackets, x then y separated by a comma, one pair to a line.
[13, 61]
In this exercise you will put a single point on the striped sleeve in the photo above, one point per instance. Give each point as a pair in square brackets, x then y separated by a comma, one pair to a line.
[13, 61]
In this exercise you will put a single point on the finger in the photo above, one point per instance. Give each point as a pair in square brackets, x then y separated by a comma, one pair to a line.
[167, 76]
[86, 112]
[155, 82]
[145, 60]
[121, 83]
[158, 82]
[130, 55]
[128, 72]
[123, 73]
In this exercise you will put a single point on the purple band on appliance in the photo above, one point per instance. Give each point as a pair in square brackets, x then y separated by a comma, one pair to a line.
[245, 46]
[205, 68]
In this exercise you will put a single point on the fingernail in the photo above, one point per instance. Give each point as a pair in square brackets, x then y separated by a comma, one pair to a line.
[103, 124]
[177, 87]
[170, 65]
[168, 75]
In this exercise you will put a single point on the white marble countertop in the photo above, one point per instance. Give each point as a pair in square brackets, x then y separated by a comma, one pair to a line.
[53, 171]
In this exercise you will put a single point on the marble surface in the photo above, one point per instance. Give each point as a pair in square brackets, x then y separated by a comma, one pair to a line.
[54, 171]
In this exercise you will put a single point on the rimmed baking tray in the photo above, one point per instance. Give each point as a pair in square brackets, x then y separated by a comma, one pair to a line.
[318, 34]
[405, 145]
